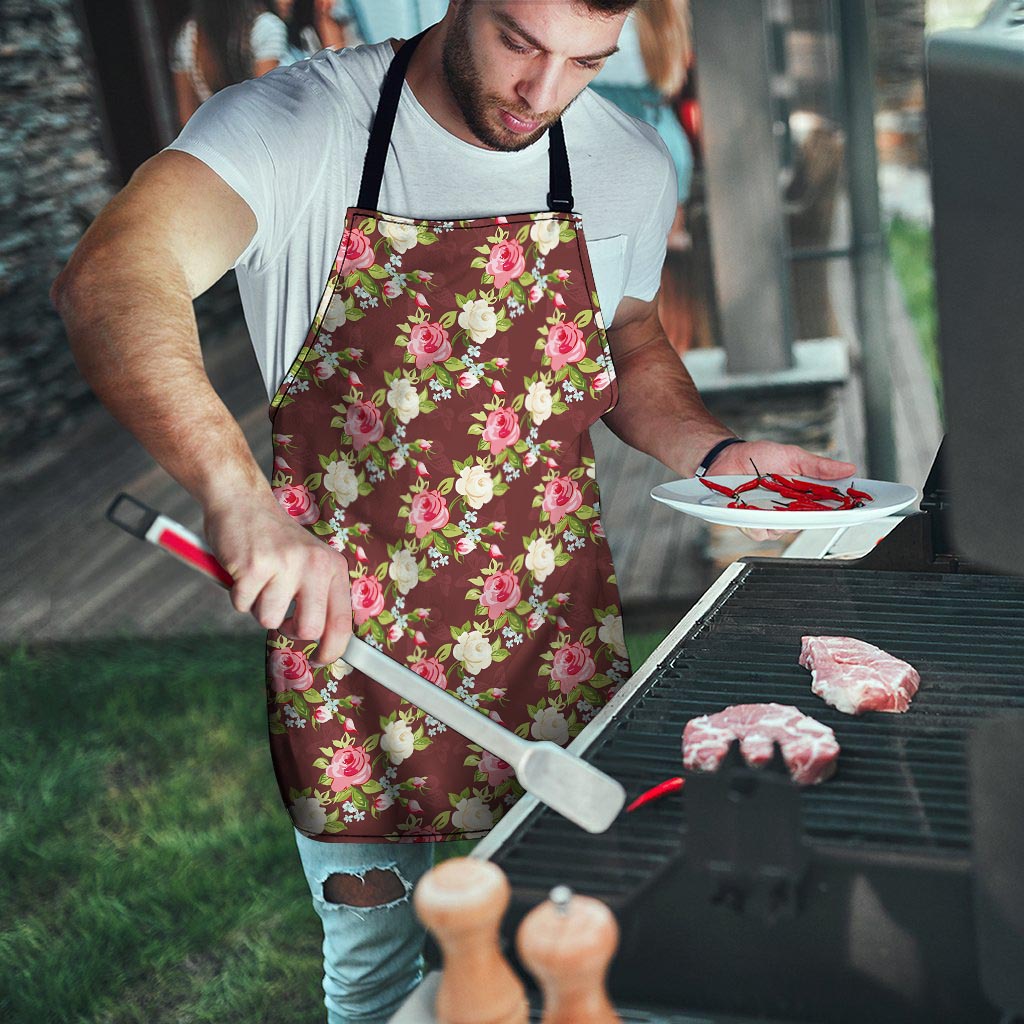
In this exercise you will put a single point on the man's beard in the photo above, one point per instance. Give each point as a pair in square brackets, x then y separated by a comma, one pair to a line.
[464, 83]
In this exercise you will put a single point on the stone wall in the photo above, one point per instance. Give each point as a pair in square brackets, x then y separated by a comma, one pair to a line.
[54, 178]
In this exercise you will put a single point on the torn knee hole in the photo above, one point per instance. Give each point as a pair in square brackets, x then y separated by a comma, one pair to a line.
[374, 889]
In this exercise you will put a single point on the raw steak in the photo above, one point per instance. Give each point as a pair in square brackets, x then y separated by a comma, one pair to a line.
[855, 677]
[809, 748]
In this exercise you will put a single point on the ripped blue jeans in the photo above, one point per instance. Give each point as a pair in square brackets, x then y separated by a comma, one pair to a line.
[372, 954]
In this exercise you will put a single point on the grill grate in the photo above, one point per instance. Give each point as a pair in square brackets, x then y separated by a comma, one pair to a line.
[902, 779]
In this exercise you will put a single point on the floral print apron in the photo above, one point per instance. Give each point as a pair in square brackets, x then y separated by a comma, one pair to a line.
[434, 430]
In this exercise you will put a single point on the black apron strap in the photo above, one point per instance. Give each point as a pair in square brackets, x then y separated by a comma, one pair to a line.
[560, 184]
[383, 122]
[560, 197]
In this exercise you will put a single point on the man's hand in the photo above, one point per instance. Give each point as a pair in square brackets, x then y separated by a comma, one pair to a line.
[771, 457]
[273, 562]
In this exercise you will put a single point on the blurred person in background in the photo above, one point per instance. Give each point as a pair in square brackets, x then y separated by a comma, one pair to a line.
[646, 76]
[375, 20]
[314, 25]
[221, 43]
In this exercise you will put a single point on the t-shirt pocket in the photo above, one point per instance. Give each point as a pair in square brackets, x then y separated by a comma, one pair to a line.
[608, 267]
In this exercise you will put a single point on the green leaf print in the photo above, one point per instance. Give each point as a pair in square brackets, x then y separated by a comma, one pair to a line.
[448, 319]
[583, 318]
[372, 786]
[377, 271]
[443, 375]
[566, 233]
[591, 696]
[574, 524]
[578, 380]
[588, 366]
[359, 799]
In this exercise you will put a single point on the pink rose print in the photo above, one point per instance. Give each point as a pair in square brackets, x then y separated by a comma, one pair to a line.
[356, 251]
[392, 289]
[432, 670]
[367, 598]
[501, 592]
[565, 344]
[322, 715]
[561, 496]
[506, 262]
[496, 770]
[350, 766]
[572, 665]
[536, 293]
[363, 423]
[601, 381]
[429, 512]
[429, 343]
[297, 501]
[323, 370]
[501, 430]
[289, 670]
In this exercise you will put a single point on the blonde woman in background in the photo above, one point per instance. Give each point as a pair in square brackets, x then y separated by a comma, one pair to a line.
[647, 75]
[224, 42]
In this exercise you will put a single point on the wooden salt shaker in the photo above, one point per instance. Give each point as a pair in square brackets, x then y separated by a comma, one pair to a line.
[567, 943]
[462, 901]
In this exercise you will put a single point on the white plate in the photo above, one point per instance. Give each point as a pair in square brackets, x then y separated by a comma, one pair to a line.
[693, 498]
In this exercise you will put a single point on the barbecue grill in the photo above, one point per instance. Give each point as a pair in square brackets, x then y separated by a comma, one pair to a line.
[743, 895]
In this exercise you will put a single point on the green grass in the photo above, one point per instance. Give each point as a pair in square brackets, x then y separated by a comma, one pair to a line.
[149, 870]
[152, 875]
[910, 246]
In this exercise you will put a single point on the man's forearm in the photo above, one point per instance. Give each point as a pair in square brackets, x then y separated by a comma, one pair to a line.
[660, 410]
[133, 333]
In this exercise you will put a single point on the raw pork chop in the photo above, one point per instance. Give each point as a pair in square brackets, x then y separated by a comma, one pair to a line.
[809, 748]
[855, 677]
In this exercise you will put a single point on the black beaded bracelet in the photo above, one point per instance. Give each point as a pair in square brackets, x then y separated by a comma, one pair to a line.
[705, 463]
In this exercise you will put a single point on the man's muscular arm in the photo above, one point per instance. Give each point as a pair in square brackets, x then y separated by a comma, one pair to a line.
[660, 411]
[126, 300]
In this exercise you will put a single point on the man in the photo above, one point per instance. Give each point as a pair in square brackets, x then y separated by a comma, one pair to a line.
[432, 427]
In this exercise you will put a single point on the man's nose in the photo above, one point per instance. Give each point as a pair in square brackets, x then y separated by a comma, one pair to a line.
[539, 89]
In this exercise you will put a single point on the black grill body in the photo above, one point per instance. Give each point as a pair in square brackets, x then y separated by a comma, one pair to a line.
[745, 895]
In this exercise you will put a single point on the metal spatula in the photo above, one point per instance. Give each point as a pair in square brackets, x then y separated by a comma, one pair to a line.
[573, 788]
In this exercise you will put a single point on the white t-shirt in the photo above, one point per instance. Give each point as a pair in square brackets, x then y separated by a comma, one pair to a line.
[292, 144]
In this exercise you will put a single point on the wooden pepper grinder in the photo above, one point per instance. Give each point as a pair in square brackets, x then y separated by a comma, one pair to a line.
[462, 901]
[567, 943]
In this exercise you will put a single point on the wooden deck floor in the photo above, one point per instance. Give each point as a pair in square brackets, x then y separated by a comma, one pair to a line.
[72, 575]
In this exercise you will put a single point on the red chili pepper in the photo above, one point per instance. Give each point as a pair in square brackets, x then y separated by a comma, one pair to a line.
[656, 793]
[720, 488]
[863, 495]
[808, 487]
[806, 505]
[749, 485]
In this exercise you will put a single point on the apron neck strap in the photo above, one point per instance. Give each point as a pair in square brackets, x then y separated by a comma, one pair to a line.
[559, 197]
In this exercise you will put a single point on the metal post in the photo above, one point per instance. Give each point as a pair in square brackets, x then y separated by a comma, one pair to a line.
[868, 239]
[745, 219]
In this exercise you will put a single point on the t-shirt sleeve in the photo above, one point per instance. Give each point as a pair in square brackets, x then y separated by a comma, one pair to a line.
[651, 240]
[268, 139]
[269, 38]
